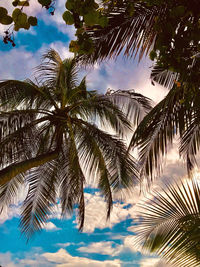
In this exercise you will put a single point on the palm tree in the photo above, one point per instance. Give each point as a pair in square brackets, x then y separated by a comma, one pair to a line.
[51, 140]
[168, 224]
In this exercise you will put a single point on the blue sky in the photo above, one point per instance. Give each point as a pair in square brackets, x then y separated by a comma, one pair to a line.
[102, 243]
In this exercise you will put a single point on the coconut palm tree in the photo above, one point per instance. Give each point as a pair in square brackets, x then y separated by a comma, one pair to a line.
[169, 224]
[51, 139]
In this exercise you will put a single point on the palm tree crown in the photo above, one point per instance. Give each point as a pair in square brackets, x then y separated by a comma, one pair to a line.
[48, 131]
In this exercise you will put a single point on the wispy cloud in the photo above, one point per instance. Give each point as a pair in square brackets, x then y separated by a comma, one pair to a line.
[104, 248]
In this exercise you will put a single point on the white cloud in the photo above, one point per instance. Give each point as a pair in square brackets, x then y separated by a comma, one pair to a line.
[63, 259]
[57, 19]
[63, 245]
[17, 64]
[62, 49]
[49, 226]
[104, 248]
[95, 213]
[153, 262]
[6, 260]
[125, 74]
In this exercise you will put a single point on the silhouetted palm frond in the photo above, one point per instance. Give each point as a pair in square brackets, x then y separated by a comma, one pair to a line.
[169, 224]
[125, 32]
[156, 132]
[163, 77]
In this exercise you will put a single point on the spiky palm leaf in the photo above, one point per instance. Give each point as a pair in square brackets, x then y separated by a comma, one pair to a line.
[125, 31]
[49, 141]
[157, 130]
[169, 224]
[176, 115]
[163, 77]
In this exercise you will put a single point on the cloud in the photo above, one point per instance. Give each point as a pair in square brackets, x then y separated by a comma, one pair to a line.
[63, 245]
[6, 260]
[49, 226]
[57, 19]
[125, 74]
[17, 64]
[95, 213]
[63, 259]
[153, 262]
[104, 248]
[62, 49]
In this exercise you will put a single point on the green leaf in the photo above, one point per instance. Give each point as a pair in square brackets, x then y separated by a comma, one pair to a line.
[70, 4]
[16, 12]
[153, 55]
[45, 2]
[178, 11]
[32, 21]
[3, 12]
[68, 18]
[6, 20]
[91, 18]
[103, 21]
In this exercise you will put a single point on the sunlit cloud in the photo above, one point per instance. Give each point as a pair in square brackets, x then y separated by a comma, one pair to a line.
[104, 248]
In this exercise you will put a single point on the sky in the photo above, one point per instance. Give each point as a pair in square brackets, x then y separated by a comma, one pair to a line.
[102, 243]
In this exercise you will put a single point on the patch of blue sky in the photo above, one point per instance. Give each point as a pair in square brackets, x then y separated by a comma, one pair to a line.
[37, 37]
[67, 237]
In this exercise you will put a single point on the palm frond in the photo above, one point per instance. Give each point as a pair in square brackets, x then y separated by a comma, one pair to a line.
[59, 76]
[190, 140]
[101, 109]
[156, 132]
[19, 135]
[121, 166]
[73, 181]
[48, 71]
[40, 198]
[8, 191]
[133, 104]
[169, 224]
[163, 77]
[93, 160]
[124, 32]
[15, 93]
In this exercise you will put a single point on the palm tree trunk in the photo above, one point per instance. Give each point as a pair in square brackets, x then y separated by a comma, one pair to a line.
[13, 170]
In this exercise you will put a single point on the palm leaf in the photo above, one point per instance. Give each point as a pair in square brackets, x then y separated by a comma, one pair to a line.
[124, 32]
[133, 104]
[8, 191]
[170, 224]
[40, 198]
[164, 77]
[14, 93]
[156, 131]
[190, 139]
[122, 167]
